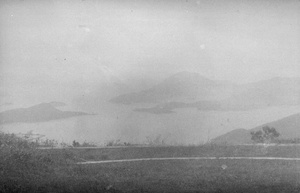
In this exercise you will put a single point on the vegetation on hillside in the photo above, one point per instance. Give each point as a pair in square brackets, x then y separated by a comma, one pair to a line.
[266, 135]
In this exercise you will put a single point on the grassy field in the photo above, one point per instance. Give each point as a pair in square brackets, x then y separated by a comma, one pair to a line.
[185, 151]
[200, 176]
[25, 168]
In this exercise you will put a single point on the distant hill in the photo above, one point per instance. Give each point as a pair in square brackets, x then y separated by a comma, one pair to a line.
[57, 104]
[272, 92]
[191, 90]
[288, 127]
[183, 86]
[237, 136]
[38, 113]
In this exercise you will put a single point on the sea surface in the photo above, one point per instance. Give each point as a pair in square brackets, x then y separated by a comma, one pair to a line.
[184, 126]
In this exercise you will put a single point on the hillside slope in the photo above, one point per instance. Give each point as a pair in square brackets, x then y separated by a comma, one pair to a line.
[288, 127]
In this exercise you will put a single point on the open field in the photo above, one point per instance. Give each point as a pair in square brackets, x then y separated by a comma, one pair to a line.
[93, 154]
[25, 168]
[184, 175]
[200, 176]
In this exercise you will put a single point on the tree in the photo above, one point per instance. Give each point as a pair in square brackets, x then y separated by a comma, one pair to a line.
[76, 144]
[266, 135]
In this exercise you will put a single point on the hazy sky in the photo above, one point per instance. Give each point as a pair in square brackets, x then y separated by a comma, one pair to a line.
[60, 40]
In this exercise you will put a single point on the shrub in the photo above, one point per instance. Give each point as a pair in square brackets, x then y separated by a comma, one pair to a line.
[156, 141]
[266, 135]
[114, 143]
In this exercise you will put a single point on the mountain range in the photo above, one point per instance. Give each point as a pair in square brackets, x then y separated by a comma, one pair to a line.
[38, 113]
[183, 86]
[288, 127]
[191, 90]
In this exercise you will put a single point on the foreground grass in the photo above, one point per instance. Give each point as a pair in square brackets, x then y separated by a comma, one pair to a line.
[185, 151]
[25, 168]
[197, 175]
[200, 176]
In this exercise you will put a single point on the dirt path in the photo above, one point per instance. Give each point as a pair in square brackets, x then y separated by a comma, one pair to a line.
[190, 158]
[147, 146]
